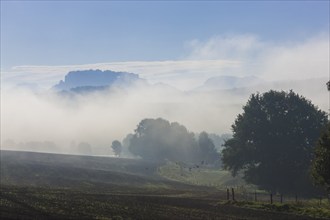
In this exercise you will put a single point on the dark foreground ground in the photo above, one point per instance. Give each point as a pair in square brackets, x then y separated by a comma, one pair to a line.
[45, 186]
[42, 203]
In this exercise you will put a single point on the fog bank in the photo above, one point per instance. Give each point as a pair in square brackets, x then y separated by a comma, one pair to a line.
[98, 118]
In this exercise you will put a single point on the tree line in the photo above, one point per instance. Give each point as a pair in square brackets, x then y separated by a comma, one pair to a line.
[161, 140]
[281, 143]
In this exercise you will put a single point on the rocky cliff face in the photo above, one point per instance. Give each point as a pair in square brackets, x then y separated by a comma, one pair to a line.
[95, 79]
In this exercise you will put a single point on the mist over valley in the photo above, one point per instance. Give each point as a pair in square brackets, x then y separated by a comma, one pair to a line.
[96, 107]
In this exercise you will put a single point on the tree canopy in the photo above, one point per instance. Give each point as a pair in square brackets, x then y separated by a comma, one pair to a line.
[116, 147]
[273, 141]
[321, 162]
[158, 139]
[208, 152]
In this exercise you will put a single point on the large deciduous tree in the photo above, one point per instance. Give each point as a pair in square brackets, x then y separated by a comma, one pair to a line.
[273, 141]
[321, 163]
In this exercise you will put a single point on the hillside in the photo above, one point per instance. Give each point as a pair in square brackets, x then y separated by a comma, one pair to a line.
[87, 172]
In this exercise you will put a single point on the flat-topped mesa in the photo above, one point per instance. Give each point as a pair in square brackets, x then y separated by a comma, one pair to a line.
[95, 78]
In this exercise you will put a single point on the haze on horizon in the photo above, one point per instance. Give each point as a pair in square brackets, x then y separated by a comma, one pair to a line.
[175, 46]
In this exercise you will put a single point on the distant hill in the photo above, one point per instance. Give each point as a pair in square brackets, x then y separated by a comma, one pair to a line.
[95, 80]
[240, 88]
[229, 82]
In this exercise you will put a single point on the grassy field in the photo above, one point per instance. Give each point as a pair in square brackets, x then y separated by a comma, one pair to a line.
[50, 186]
[200, 175]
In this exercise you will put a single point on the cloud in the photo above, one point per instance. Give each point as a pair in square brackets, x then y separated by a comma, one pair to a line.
[270, 60]
[237, 47]
[308, 59]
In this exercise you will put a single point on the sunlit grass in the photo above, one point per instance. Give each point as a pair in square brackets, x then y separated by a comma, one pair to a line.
[199, 175]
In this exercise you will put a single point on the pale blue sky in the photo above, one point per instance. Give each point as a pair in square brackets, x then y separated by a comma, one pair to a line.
[85, 32]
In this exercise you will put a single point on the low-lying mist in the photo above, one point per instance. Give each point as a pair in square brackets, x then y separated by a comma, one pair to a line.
[54, 122]
[100, 117]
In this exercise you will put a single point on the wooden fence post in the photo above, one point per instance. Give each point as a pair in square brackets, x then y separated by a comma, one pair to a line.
[281, 198]
[228, 194]
[255, 195]
[233, 194]
[271, 198]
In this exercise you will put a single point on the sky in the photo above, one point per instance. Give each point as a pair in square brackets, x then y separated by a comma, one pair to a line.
[284, 44]
[85, 32]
